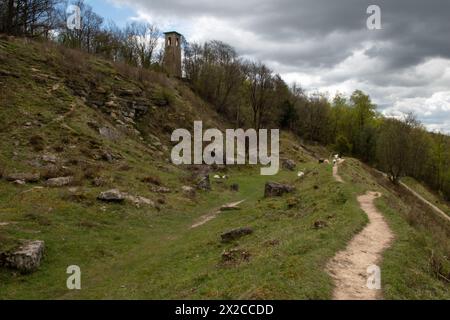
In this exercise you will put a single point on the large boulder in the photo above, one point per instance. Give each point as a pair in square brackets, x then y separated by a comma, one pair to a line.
[58, 182]
[27, 177]
[27, 258]
[274, 189]
[235, 234]
[113, 195]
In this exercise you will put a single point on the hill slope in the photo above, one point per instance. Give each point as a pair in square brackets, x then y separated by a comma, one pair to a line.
[64, 113]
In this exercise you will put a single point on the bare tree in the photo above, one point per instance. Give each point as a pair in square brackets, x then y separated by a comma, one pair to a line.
[260, 89]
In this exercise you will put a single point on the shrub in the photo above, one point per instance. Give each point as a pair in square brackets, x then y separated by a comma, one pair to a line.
[152, 180]
[37, 142]
[163, 98]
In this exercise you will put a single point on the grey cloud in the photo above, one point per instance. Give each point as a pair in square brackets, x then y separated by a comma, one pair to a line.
[317, 36]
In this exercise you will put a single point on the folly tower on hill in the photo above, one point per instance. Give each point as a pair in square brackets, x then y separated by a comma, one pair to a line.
[172, 53]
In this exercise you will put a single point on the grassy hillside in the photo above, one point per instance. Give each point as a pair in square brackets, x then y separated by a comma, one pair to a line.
[64, 113]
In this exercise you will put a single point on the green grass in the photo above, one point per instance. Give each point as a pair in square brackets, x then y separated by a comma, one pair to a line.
[133, 253]
[427, 194]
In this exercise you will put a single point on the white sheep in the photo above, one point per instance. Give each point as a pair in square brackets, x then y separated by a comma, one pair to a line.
[300, 174]
[217, 177]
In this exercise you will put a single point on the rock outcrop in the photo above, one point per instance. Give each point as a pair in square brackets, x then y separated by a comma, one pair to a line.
[27, 177]
[58, 182]
[113, 195]
[274, 189]
[235, 234]
[27, 258]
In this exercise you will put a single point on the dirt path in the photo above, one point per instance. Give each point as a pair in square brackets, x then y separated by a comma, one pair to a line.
[349, 267]
[207, 217]
[336, 175]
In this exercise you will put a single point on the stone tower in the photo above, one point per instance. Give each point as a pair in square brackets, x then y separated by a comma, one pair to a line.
[172, 53]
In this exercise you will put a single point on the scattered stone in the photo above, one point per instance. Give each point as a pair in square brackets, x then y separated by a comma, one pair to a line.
[99, 182]
[234, 187]
[113, 195]
[157, 189]
[235, 234]
[274, 189]
[107, 156]
[188, 190]
[138, 200]
[288, 164]
[231, 206]
[272, 243]
[204, 183]
[4, 224]
[234, 256]
[109, 133]
[27, 177]
[319, 224]
[111, 104]
[20, 182]
[292, 203]
[58, 182]
[27, 258]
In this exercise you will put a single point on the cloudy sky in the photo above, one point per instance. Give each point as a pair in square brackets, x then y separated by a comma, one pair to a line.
[325, 45]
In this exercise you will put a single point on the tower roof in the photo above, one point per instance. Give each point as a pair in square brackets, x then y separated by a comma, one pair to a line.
[171, 32]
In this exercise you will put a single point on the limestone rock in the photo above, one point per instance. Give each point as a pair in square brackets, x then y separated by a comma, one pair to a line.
[157, 189]
[49, 158]
[27, 177]
[59, 182]
[188, 190]
[235, 234]
[109, 133]
[27, 258]
[138, 200]
[274, 189]
[113, 195]
[234, 256]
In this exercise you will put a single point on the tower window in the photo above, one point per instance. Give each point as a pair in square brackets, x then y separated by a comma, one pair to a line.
[169, 42]
[177, 42]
